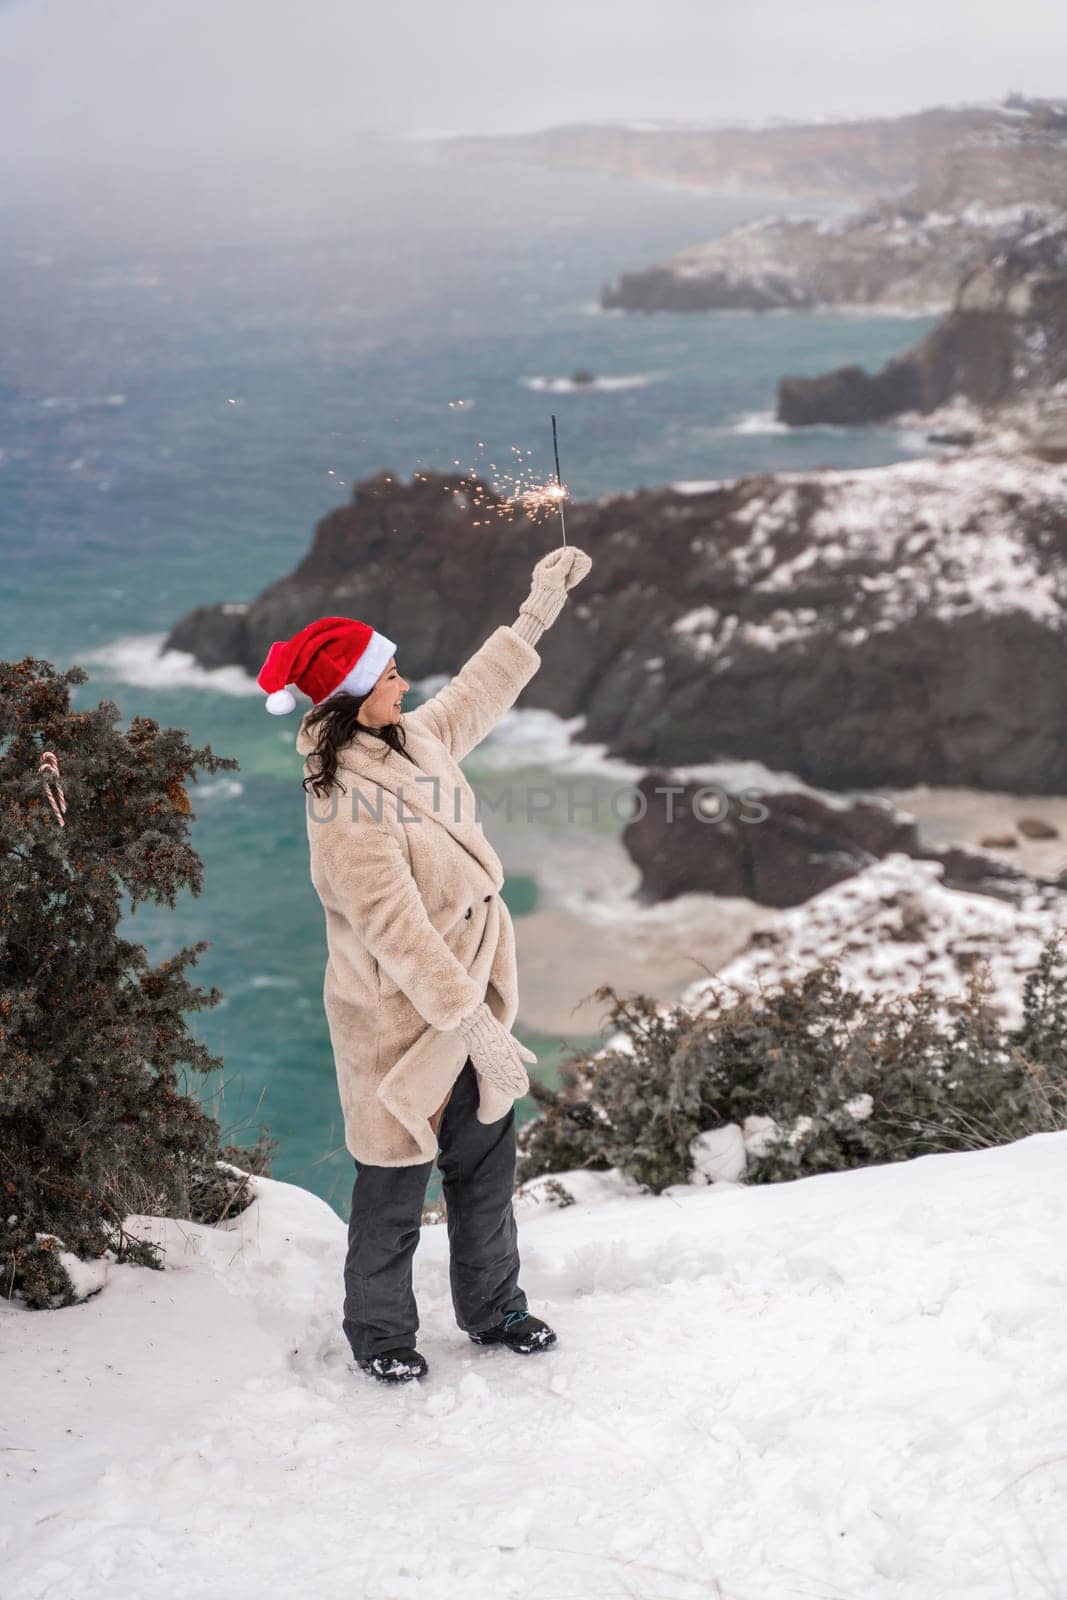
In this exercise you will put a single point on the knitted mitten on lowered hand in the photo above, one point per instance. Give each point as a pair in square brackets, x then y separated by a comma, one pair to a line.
[553, 577]
[496, 1055]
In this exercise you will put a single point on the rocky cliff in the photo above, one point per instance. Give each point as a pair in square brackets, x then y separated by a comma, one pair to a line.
[1003, 176]
[888, 255]
[1004, 340]
[863, 158]
[862, 628]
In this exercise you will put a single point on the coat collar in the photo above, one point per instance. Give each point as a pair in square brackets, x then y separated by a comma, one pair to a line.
[412, 793]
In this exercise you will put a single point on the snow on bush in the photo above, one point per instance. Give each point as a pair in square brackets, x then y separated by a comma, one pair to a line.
[835, 1077]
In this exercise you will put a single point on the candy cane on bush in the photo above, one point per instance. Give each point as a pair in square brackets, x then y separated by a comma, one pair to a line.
[49, 767]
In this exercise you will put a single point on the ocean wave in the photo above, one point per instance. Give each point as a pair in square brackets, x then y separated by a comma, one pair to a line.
[765, 422]
[71, 403]
[861, 311]
[700, 485]
[221, 788]
[535, 738]
[916, 439]
[141, 660]
[758, 422]
[635, 380]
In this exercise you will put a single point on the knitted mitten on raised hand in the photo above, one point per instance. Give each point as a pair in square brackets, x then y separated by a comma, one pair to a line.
[497, 1056]
[553, 577]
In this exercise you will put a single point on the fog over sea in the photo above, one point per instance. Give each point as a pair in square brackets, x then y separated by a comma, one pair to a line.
[182, 395]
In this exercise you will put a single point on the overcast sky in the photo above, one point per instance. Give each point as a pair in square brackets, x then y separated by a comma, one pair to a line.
[169, 79]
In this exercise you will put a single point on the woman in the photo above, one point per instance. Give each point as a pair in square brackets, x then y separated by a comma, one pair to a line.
[421, 988]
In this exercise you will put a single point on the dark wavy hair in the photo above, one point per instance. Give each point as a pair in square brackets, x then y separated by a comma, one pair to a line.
[337, 721]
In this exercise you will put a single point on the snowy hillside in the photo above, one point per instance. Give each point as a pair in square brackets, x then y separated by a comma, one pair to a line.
[893, 925]
[937, 539]
[853, 1386]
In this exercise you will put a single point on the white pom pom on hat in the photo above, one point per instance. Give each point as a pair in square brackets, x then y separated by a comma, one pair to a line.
[331, 655]
[280, 702]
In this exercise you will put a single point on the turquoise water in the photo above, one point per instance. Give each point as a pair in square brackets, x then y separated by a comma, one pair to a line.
[173, 403]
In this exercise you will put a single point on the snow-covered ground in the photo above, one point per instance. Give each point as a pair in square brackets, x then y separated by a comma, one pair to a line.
[853, 1385]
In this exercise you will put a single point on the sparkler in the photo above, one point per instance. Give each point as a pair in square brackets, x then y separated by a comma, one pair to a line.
[559, 480]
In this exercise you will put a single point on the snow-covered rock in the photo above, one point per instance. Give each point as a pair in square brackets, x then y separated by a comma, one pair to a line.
[718, 1155]
[859, 627]
[580, 1185]
[891, 926]
[904, 251]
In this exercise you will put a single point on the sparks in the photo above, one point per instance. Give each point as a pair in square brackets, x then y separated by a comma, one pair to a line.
[540, 500]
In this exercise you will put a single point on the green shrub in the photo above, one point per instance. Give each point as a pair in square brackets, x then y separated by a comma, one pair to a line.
[94, 1121]
[847, 1078]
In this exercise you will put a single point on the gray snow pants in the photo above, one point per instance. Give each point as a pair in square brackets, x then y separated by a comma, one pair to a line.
[477, 1164]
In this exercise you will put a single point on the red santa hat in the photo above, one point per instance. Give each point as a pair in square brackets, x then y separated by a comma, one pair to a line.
[327, 657]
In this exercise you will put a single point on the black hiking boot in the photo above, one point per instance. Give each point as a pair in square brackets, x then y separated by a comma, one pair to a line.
[519, 1331]
[395, 1366]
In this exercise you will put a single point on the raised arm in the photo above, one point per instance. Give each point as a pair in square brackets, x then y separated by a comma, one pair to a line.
[472, 703]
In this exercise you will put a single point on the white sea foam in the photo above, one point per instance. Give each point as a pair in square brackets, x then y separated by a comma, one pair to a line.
[140, 659]
[862, 311]
[915, 439]
[700, 485]
[431, 683]
[533, 738]
[758, 422]
[219, 789]
[71, 403]
[765, 422]
[635, 380]
[536, 738]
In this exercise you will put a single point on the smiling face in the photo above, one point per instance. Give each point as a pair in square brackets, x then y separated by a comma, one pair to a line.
[383, 704]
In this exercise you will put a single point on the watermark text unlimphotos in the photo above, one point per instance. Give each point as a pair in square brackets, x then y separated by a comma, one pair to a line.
[587, 804]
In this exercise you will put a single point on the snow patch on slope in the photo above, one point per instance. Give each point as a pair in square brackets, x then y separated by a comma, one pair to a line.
[938, 538]
[893, 924]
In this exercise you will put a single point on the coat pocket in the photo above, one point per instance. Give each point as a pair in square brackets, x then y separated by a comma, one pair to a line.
[452, 925]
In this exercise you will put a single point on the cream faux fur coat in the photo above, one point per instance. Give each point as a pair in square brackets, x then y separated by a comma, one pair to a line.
[416, 929]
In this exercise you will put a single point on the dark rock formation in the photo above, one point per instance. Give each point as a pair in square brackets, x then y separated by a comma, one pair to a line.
[1036, 828]
[432, 562]
[850, 395]
[861, 629]
[1005, 338]
[781, 848]
[963, 437]
[668, 288]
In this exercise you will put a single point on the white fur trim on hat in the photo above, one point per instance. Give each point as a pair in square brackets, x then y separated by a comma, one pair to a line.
[369, 668]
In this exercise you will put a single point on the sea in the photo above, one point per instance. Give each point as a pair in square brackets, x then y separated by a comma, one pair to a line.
[191, 376]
